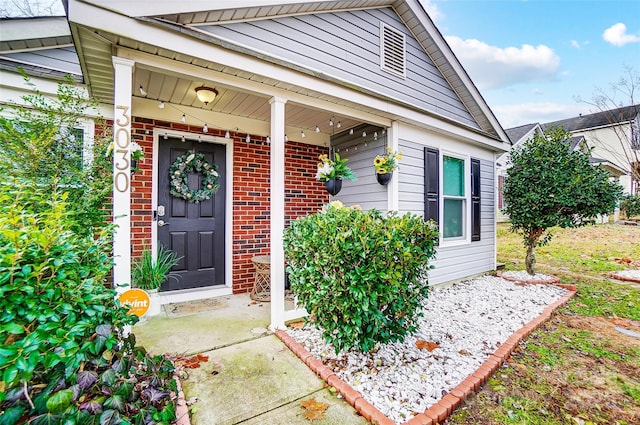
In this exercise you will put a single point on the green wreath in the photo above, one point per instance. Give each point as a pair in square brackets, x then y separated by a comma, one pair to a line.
[192, 162]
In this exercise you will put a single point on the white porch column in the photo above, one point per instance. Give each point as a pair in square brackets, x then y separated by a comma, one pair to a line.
[277, 212]
[123, 75]
[393, 201]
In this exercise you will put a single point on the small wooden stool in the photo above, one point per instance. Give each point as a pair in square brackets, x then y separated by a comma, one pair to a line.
[262, 286]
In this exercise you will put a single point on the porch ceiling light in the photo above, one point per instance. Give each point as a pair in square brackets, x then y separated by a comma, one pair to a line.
[206, 94]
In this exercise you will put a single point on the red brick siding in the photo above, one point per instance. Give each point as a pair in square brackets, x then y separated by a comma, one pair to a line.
[251, 177]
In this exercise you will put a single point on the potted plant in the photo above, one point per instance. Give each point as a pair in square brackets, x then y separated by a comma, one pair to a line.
[137, 154]
[333, 171]
[148, 274]
[385, 165]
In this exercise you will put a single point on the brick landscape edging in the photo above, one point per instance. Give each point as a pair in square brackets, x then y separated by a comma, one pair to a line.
[625, 278]
[182, 410]
[443, 408]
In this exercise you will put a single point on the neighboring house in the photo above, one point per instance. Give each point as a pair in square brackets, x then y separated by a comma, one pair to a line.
[292, 80]
[518, 135]
[614, 136]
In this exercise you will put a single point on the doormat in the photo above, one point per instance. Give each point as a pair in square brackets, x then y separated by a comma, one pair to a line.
[194, 307]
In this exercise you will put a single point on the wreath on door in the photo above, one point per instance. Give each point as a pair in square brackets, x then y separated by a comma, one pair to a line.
[192, 162]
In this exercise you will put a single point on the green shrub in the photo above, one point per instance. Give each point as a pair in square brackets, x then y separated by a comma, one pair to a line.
[362, 276]
[65, 356]
[630, 205]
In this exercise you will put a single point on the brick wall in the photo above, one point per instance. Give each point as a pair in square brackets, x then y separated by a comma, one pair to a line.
[251, 177]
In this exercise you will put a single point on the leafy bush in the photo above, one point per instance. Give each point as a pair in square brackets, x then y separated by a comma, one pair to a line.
[548, 185]
[630, 205]
[41, 146]
[361, 275]
[64, 354]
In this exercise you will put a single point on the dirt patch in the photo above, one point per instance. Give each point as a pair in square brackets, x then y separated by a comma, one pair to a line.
[574, 370]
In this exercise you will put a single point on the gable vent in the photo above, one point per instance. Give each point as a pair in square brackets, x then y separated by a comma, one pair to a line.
[392, 50]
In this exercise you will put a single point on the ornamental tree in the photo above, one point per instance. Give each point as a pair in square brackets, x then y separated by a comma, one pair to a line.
[551, 185]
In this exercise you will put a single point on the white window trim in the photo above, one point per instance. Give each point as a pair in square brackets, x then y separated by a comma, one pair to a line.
[465, 239]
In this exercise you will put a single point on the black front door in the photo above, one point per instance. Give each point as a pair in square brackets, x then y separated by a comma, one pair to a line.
[195, 231]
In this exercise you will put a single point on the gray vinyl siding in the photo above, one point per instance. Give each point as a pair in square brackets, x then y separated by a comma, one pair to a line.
[62, 59]
[346, 46]
[452, 262]
[365, 191]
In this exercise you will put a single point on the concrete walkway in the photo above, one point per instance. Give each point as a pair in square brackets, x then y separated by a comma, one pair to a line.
[251, 377]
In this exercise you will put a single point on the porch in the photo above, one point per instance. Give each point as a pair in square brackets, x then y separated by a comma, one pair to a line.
[250, 377]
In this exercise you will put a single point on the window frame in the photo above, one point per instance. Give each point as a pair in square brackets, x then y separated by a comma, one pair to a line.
[466, 200]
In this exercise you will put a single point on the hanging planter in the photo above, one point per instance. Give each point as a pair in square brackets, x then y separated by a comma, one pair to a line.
[333, 186]
[384, 178]
[332, 171]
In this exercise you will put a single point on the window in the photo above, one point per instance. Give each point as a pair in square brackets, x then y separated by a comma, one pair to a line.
[453, 195]
[392, 50]
[447, 198]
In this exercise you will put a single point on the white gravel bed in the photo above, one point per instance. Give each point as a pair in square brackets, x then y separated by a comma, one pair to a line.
[523, 275]
[633, 274]
[469, 321]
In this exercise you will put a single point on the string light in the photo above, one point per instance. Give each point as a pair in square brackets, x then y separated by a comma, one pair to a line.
[143, 91]
[183, 139]
[205, 129]
[350, 131]
[183, 119]
[331, 122]
[161, 105]
[227, 135]
[364, 134]
[166, 136]
[317, 129]
[375, 135]
[248, 139]
[339, 124]
[268, 139]
[302, 134]
[286, 139]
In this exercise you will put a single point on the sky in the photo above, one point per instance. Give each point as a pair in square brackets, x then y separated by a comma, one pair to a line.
[532, 59]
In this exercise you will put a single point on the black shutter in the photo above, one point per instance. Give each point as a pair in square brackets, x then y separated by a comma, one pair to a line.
[475, 199]
[431, 184]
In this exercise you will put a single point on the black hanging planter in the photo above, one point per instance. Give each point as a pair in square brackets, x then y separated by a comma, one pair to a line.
[333, 186]
[384, 179]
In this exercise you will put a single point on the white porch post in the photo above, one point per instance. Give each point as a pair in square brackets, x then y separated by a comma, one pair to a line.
[123, 75]
[277, 212]
[393, 201]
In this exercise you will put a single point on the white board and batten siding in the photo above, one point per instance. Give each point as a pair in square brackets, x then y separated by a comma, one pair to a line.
[345, 46]
[460, 260]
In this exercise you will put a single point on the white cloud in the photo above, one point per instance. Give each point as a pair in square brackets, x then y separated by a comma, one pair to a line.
[575, 44]
[432, 10]
[492, 67]
[617, 35]
[535, 112]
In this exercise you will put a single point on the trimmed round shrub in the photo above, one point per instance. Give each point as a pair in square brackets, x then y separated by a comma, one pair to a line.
[361, 275]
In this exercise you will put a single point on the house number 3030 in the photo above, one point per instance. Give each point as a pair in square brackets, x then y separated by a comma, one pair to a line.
[122, 138]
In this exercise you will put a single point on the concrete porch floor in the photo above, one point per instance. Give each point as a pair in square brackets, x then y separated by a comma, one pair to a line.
[251, 377]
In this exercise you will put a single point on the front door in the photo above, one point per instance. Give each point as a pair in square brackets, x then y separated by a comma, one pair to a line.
[195, 231]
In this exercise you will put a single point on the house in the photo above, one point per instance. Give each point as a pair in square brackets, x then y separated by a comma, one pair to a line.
[584, 138]
[614, 136]
[261, 89]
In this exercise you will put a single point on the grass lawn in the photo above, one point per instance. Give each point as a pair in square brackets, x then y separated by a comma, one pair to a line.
[577, 369]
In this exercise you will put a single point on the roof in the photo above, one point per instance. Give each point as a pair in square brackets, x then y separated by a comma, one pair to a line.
[597, 120]
[517, 133]
[183, 18]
